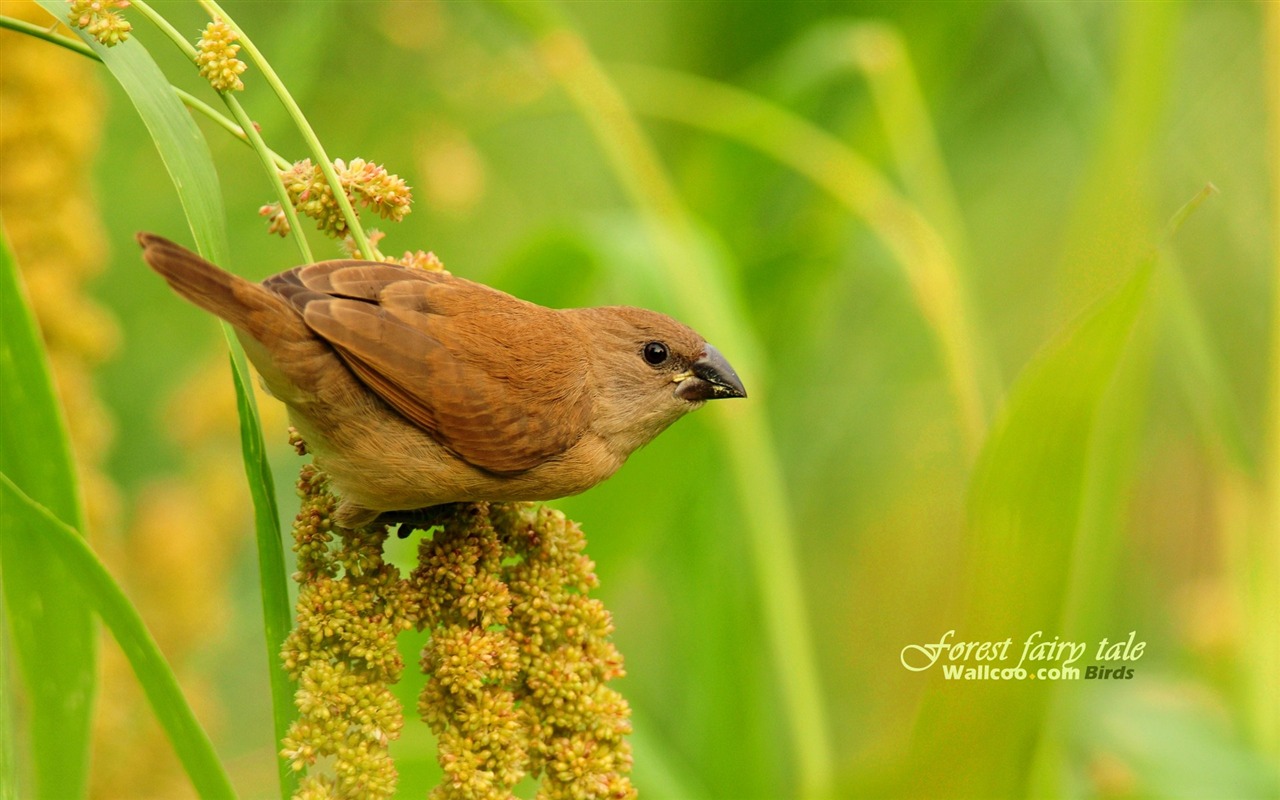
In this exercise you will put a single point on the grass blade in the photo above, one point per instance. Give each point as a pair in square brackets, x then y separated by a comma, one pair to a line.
[1027, 498]
[276, 611]
[53, 632]
[102, 594]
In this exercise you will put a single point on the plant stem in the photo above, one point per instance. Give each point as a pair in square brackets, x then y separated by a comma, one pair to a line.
[175, 36]
[30, 29]
[221, 120]
[189, 100]
[277, 613]
[304, 127]
[265, 155]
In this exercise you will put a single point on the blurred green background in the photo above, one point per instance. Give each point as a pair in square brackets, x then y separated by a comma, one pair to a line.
[919, 230]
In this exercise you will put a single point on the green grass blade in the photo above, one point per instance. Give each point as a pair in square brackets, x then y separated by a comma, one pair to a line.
[1025, 491]
[1028, 496]
[276, 612]
[102, 594]
[1201, 374]
[8, 730]
[53, 633]
[877, 51]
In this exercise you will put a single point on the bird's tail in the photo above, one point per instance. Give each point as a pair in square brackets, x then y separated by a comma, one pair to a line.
[248, 306]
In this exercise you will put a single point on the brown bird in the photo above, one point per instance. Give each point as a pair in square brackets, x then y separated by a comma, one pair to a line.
[416, 388]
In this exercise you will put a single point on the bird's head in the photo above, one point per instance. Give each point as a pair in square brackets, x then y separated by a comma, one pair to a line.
[649, 371]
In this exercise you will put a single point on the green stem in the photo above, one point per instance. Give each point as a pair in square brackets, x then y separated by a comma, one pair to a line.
[705, 294]
[189, 100]
[221, 120]
[304, 127]
[175, 36]
[277, 614]
[879, 52]
[276, 611]
[251, 135]
[30, 29]
[277, 183]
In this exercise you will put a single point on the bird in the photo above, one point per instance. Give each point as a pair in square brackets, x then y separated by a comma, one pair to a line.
[415, 388]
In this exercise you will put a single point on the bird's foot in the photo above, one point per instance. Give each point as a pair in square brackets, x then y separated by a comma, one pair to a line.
[420, 519]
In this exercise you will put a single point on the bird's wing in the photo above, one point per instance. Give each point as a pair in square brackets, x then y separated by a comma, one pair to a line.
[500, 382]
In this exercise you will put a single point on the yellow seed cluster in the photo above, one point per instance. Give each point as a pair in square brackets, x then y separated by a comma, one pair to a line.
[473, 662]
[517, 663]
[216, 57]
[519, 658]
[578, 723]
[375, 188]
[364, 183]
[101, 20]
[342, 653]
[415, 259]
[422, 259]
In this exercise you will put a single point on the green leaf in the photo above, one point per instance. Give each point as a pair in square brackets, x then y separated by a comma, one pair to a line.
[53, 632]
[1202, 375]
[1029, 494]
[1027, 486]
[100, 593]
[276, 612]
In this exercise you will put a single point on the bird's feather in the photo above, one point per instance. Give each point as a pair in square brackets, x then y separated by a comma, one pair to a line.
[430, 346]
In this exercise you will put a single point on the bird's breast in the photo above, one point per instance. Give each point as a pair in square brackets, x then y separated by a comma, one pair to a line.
[384, 463]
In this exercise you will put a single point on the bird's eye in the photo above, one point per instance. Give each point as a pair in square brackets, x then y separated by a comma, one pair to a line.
[655, 353]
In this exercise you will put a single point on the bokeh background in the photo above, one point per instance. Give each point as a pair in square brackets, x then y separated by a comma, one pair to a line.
[991, 390]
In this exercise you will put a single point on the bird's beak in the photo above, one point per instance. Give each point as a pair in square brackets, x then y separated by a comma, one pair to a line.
[709, 378]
